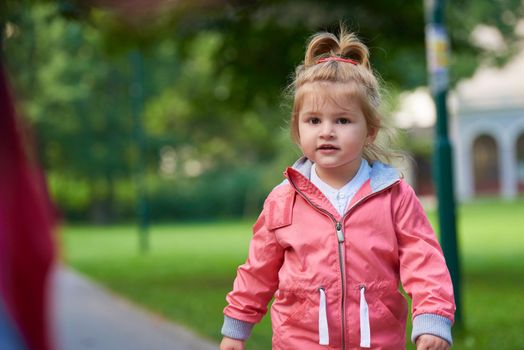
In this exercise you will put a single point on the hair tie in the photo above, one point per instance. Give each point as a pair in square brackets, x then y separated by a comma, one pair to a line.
[336, 58]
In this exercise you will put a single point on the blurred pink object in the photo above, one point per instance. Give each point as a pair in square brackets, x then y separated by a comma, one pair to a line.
[26, 245]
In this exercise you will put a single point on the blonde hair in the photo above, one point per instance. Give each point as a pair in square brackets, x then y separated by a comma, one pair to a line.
[357, 78]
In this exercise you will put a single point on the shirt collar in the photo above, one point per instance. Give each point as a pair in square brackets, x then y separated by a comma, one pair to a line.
[349, 189]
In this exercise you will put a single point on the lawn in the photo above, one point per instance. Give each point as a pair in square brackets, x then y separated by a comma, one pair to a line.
[190, 267]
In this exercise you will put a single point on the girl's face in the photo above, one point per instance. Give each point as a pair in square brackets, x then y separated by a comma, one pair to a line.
[332, 131]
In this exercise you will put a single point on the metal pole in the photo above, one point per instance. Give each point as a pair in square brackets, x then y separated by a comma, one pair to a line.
[136, 92]
[437, 52]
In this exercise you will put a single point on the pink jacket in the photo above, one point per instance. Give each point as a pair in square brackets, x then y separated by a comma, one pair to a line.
[336, 279]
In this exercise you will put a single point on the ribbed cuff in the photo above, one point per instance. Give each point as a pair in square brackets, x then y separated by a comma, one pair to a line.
[433, 324]
[236, 329]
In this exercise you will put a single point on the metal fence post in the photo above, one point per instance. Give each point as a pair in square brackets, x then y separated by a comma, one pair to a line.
[437, 54]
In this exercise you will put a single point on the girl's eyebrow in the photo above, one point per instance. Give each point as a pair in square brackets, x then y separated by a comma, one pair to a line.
[344, 114]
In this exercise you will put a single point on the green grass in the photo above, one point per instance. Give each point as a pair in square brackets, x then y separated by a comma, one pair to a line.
[190, 268]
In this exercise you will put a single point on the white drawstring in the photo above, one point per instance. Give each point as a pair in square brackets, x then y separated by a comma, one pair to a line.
[323, 331]
[365, 334]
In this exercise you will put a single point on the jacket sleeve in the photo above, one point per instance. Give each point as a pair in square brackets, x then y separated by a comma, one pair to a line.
[423, 271]
[255, 283]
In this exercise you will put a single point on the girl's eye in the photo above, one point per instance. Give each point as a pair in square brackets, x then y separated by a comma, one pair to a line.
[314, 120]
[343, 121]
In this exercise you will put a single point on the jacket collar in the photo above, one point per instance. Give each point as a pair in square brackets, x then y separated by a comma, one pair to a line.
[381, 176]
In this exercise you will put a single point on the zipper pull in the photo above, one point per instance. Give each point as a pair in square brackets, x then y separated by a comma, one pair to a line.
[340, 235]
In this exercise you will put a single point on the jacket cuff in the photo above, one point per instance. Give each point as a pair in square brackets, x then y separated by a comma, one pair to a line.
[433, 324]
[236, 329]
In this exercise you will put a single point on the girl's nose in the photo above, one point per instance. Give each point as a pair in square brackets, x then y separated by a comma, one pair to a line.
[328, 130]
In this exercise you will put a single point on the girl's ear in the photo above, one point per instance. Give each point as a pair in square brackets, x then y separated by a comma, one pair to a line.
[372, 135]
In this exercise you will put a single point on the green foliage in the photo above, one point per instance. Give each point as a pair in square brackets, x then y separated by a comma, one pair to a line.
[193, 293]
[76, 98]
[263, 41]
[236, 193]
[464, 16]
[212, 81]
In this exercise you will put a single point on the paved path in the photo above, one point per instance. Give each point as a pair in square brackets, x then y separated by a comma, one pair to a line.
[88, 317]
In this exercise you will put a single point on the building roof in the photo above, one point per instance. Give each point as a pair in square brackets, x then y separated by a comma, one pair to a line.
[492, 87]
[489, 88]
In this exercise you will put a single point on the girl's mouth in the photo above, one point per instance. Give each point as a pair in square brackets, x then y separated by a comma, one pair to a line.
[327, 148]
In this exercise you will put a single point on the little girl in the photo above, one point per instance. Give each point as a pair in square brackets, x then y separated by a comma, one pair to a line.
[335, 240]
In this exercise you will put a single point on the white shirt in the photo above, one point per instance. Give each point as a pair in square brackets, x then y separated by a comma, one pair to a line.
[340, 198]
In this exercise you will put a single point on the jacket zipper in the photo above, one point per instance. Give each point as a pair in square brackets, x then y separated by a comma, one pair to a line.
[340, 239]
[341, 261]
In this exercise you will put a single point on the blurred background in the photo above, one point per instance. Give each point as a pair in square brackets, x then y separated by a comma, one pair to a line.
[162, 125]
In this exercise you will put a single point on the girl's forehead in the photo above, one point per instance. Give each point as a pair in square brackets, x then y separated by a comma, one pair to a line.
[317, 95]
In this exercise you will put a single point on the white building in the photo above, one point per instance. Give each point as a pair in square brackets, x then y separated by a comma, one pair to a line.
[487, 129]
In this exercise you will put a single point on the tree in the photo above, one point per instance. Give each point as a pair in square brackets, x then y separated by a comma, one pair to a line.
[76, 98]
[214, 77]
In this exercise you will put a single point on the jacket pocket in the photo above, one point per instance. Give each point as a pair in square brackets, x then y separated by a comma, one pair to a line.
[298, 320]
[287, 308]
[382, 316]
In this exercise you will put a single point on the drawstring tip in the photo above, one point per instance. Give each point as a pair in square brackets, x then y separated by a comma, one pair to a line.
[365, 334]
[323, 330]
